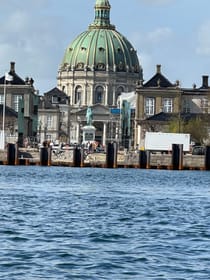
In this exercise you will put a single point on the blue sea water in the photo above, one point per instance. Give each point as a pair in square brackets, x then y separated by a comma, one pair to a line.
[89, 223]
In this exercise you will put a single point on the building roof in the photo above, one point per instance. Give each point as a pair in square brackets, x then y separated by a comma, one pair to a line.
[9, 112]
[16, 80]
[58, 95]
[158, 80]
[53, 98]
[166, 117]
[101, 47]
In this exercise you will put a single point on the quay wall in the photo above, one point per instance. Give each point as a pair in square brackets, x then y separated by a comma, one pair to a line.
[124, 160]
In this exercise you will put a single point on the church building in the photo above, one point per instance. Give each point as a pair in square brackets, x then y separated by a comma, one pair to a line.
[98, 65]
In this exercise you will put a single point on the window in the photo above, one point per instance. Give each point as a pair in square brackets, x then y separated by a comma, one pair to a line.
[55, 99]
[204, 105]
[78, 95]
[149, 106]
[1, 99]
[48, 137]
[118, 93]
[15, 102]
[167, 105]
[99, 95]
[49, 121]
[186, 106]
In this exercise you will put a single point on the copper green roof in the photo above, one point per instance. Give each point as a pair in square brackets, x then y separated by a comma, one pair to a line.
[101, 47]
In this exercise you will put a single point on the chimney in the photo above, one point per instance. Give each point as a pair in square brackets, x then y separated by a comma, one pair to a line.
[12, 67]
[205, 82]
[158, 67]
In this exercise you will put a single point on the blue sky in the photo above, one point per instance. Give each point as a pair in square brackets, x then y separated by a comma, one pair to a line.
[173, 33]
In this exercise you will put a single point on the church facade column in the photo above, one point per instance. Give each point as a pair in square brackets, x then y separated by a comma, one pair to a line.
[90, 100]
[85, 94]
[78, 133]
[104, 133]
[114, 96]
[72, 94]
[106, 95]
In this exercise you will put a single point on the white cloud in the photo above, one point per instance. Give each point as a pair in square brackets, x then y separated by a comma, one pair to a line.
[156, 2]
[204, 39]
[32, 40]
[149, 41]
[159, 34]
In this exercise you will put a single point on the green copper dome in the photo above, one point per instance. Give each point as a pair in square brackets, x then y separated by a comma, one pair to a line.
[101, 47]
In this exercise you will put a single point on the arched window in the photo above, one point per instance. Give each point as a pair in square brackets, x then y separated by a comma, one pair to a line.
[118, 93]
[78, 95]
[99, 95]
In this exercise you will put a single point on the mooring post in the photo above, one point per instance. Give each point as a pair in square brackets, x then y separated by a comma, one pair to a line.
[115, 147]
[82, 155]
[207, 158]
[175, 157]
[180, 156]
[76, 157]
[148, 159]
[16, 154]
[142, 159]
[11, 154]
[110, 155]
[44, 156]
[49, 156]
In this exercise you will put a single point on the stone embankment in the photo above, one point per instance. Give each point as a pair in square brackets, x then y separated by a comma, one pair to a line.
[124, 160]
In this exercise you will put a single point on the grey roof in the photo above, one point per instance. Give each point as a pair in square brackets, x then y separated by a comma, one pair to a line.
[16, 79]
[53, 99]
[158, 80]
[166, 117]
[8, 111]
[62, 97]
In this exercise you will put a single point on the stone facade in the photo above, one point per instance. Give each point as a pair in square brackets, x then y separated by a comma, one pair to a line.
[54, 117]
[22, 98]
[159, 101]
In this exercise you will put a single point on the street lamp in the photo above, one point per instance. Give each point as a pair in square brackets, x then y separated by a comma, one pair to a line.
[7, 78]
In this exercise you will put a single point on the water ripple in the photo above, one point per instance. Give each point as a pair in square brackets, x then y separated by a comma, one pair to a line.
[73, 223]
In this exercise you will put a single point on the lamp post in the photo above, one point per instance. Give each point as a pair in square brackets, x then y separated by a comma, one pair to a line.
[8, 78]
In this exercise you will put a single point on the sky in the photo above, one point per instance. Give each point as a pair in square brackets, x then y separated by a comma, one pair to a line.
[174, 33]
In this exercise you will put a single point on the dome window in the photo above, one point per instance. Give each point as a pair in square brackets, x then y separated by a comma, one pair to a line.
[101, 66]
[83, 49]
[80, 65]
[121, 66]
[101, 49]
[70, 49]
[119, 50]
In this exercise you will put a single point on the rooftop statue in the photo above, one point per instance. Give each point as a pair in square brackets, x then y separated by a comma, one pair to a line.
[89, 116]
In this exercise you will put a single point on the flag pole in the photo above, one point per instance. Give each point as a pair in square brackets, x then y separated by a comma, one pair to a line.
[3, 120]
[9, 78]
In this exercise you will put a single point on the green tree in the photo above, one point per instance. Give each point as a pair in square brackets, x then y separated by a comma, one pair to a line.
[198, 129]
[176, 125]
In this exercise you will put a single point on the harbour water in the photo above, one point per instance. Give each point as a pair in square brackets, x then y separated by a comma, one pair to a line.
[75, 223]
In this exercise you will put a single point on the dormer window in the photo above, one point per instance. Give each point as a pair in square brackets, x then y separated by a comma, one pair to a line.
[54, 99]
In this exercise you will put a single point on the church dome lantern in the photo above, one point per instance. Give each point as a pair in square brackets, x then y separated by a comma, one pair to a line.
[101, 47]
